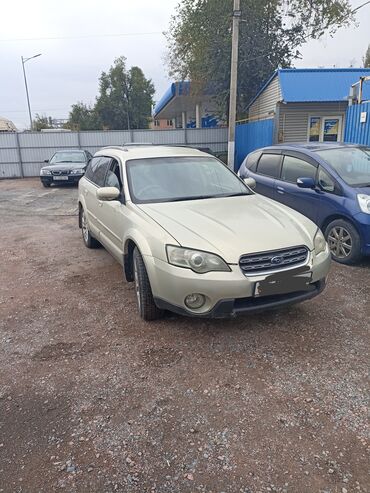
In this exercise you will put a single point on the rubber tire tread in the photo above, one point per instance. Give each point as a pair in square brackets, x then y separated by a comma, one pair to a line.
[148, 309]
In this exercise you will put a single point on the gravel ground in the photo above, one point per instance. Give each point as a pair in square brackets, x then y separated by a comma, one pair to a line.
[92, 399]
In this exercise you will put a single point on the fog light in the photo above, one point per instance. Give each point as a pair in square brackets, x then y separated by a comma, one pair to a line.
[195, 300]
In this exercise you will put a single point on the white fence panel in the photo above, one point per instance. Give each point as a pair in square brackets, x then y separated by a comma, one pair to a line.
[23, 154]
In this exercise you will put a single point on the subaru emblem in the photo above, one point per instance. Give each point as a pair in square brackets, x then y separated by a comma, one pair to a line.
[276, 260]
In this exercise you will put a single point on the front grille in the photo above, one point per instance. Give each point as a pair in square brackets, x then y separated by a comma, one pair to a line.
[61, 172]
[256, 263]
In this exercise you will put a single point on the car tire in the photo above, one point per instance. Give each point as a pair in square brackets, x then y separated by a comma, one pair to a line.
[148, 310]
[90, 241]
[344, 242]
[46, 185]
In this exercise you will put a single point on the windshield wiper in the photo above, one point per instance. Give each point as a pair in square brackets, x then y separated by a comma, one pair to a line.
[193, 197]
[239, 194]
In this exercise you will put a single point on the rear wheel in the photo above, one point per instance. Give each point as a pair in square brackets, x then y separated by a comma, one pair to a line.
[344, 241]
[90, 241]
[148, 310]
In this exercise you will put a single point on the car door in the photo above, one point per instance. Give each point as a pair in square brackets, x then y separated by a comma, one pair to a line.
[95, 177]
[304, 200]
[267, 170]
[112, 217]
[331, 196]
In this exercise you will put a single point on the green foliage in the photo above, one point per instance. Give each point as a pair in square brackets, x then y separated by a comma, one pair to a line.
[367, 58]
[125, 101]
[199, 40]
[42, 121]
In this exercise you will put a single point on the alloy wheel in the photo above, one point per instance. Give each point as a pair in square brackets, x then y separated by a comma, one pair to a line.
[340, 242]
[137, 284]
[85, 231]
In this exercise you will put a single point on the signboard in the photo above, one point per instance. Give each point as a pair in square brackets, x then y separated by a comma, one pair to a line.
[363, 117]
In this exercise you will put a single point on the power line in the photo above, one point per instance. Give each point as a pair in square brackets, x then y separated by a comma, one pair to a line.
[87, 36]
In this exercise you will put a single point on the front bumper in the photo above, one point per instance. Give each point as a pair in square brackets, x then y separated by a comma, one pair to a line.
[227, 293]
[49, 179]
[239, 306]
[363, 225]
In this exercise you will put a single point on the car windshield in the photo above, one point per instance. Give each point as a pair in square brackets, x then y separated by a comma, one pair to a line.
[171, 179]
[68, 157]
[351, 163]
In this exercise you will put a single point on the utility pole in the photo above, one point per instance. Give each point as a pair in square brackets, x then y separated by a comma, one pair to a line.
[233, 83]
[24, 60]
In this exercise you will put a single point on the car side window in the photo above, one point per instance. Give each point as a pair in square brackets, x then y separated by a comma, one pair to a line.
[251, 161]
[113, 177]
[97, 170]
[326, 183]
[269, 165]
[294, 168]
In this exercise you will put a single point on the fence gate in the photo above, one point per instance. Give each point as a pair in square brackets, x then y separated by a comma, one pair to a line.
[250, 136]
[357, 129]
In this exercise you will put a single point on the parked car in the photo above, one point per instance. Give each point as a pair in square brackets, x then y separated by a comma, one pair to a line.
[327, 182]
[66, 166]
[193, 237]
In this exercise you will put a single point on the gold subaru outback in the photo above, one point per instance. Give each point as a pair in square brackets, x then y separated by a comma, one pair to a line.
[193, 237]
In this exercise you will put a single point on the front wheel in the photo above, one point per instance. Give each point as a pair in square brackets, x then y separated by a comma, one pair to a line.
[148, 310]
[90, 241]
[344, 241]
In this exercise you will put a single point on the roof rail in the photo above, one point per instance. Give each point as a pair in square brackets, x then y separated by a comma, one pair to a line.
[120, 148]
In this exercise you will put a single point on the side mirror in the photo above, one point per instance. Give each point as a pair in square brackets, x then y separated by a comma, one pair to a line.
[250, 182]
[46, 160]
[107, 193]
[306, 182]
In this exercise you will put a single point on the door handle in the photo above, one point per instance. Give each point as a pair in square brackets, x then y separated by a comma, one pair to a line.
[280, 190]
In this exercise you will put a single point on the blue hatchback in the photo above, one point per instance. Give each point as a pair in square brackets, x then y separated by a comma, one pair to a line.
[327, 182]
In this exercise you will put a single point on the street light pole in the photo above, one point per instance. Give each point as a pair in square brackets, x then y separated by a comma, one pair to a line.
[233, 83]
[24, 60]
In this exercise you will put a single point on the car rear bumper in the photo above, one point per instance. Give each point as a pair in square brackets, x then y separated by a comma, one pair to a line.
[240, 306]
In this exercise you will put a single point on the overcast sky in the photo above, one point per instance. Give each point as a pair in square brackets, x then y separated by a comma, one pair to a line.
[70, 64]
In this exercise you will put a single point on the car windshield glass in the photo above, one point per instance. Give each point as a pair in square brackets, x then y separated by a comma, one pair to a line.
[68, 157]
[351, 163]
[170, 179]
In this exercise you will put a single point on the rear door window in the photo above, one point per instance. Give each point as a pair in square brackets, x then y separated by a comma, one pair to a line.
[269, 165]
[97, 170]
[294, 168]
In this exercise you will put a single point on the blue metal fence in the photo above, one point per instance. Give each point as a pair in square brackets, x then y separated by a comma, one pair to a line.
[251, 136]
[356, 132]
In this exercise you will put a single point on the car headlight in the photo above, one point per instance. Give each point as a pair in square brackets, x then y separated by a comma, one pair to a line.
[364, 202]
[198, 261]
[319, 242]
[45, 172]
[77, 171]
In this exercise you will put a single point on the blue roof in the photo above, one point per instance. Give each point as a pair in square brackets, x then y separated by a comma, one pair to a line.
[317, 84]
[176, 89]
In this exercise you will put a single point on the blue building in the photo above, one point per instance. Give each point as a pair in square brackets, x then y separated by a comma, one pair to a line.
[186, 107]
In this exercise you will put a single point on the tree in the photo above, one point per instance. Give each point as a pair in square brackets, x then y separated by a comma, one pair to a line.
[125, 101]
[42, 121]
[367, 58]
[199, 41]
[82, 117]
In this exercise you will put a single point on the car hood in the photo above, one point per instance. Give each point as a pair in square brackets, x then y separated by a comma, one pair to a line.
[364, 190]
[65, 166]
[233, 226]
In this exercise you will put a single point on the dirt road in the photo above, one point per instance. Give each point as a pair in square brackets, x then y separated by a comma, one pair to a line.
[92, 399]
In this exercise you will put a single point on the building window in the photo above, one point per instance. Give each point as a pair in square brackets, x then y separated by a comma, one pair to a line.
[324, 128]
[169, 123]
[156, 123]
[314, 129]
